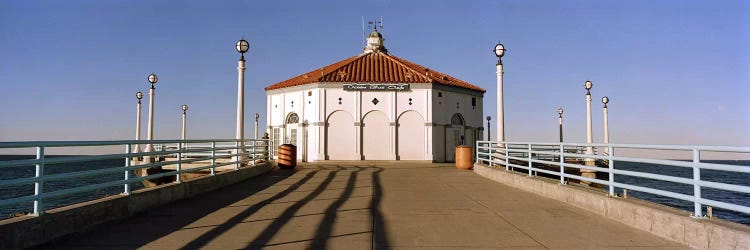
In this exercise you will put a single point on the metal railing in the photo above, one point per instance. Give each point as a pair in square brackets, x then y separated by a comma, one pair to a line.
[500, 154]
[172, 152]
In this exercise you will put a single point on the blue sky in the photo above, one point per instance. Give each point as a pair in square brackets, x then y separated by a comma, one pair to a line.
[677, 72]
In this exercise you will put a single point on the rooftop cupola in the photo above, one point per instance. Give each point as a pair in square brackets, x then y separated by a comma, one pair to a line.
[375, 42]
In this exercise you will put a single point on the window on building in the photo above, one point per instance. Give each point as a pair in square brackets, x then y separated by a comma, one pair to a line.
[293, 136]
[292, 118]
[457, 119]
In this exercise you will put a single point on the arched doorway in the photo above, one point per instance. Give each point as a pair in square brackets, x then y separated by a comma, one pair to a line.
[376, 139]
[292, 132]
[454, 136]
[340, 133]
[411, 136]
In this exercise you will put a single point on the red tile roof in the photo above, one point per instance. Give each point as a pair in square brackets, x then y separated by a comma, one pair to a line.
[375, 67]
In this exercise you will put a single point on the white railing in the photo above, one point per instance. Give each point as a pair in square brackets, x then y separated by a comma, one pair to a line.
[171, 152]
[500, 154]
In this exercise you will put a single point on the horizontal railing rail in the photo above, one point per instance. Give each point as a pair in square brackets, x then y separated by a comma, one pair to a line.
[201, 153]
[556, 155]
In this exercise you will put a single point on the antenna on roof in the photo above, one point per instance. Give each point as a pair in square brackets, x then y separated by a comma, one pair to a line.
[364, 40]
[382, 30]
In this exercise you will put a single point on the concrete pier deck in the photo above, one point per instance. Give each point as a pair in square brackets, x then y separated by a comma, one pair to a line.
[365, 205]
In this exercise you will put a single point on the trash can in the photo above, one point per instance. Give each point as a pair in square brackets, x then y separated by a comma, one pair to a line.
[464, 157]
[287, 156]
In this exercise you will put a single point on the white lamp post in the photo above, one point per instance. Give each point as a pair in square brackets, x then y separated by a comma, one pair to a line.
[184, 123]
[605, 100]
[242, 46]
[589, 135]
[559, 121]
[139, 96]
[500, 52]
[488, 128]
[152, 78]
[256, 125]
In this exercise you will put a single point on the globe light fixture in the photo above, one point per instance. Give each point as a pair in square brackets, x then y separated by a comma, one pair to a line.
[242, 46]
[184, 108]
[152, 78]
[499, 50]
[605, 100]
[139, 95]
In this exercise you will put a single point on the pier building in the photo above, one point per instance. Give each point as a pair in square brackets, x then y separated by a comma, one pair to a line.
[374, 106]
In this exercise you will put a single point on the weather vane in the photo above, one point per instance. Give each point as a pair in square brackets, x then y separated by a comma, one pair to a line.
[375, 24]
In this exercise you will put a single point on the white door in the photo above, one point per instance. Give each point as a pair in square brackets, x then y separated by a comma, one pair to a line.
[411, 136]
[291, 134]
[340, 133]
[376, 136]
[452, 139]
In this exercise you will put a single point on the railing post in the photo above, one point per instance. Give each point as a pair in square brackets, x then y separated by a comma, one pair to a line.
[611, 165]
[507, 167]
[696, 186]
[476, 157]
[39, 183]
[255, 144]
[529, 159]
[562, 165]
[266, 146]
[127, 170]
[179, 163]
[237, 163]
[213, 157]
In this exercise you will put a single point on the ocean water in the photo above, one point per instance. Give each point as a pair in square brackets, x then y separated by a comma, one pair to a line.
[54, 185]
[742, 179]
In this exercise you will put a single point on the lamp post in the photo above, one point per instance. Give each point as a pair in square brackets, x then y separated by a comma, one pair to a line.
[305, 125]
[605, 100]
[152, 78]
[488, 128]
[589, 135]
[500, 52]
[242, 46]
[184, 123]
[139, 96]
[256, 125]
[559, 121]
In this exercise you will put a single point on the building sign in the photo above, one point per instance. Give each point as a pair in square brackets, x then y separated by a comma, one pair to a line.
[376, 87]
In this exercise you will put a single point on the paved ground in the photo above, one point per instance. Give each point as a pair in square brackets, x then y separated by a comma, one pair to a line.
[364, 205]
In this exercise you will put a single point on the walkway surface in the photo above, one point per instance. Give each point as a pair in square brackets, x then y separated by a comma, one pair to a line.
[364, 205]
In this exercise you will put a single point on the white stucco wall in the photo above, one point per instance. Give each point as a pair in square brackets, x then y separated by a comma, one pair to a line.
[351, 135]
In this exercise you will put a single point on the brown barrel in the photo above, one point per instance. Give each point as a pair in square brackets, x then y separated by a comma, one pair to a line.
[464, 157]
[287, 156]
